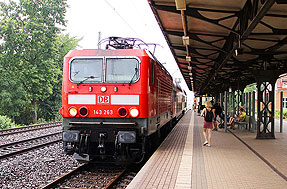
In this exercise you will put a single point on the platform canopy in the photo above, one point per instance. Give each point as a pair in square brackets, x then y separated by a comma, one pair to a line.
[219, 44]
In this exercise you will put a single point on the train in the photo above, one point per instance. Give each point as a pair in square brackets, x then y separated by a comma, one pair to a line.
[117, 102]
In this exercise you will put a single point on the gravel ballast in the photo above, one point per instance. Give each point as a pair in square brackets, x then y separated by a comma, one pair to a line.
[35, 168]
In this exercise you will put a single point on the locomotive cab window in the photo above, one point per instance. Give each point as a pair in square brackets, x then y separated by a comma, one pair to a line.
[86, 70]
[122, 70]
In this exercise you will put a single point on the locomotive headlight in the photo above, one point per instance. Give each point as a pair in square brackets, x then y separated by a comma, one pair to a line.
[103, 89]
[134, 112]
[73, 111]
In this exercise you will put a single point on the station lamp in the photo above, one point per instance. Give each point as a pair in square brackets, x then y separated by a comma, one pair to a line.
[236, 52]
[188, 58]
[180, 4]
[185, 40]
[189, 68]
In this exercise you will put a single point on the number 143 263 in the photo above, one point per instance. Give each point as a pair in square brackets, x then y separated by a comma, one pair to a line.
[103, 112]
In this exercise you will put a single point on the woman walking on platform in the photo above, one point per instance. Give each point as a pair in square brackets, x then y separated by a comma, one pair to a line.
[208, 115]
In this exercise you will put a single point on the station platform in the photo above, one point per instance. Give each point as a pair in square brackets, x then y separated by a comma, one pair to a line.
[235, 160]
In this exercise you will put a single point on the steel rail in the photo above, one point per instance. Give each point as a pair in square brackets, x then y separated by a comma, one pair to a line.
[27, 140]
[111, 184]
[28, 128]
[10, 150]
[68, 175]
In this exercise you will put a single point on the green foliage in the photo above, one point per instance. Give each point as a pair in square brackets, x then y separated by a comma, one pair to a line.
[277, 114]
[32, 52]
[6, 122]
[250, 88]
[50, 106]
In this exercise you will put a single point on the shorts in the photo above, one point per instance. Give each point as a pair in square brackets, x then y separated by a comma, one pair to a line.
[207, 125]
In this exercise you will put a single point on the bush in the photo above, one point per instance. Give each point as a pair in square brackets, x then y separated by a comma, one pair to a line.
[277, 114]
[6, 122]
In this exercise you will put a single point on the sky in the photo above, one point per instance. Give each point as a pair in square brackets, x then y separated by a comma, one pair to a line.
[123, 18]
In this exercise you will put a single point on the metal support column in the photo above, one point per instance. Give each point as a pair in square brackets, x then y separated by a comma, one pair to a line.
[243, 99]
[239, 97]
[253, 112]
[225, 111]
[265, 108]
[249, 109]
[281, 111]
[221, 99]
[246, 103]
[233, 103]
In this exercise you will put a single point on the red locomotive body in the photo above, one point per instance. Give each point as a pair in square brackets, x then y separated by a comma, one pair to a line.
[113, 101]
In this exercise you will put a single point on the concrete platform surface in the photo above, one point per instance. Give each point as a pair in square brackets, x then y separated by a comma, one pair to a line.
[235, 160]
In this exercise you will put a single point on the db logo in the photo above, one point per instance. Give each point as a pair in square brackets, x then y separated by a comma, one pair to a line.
[103, 99]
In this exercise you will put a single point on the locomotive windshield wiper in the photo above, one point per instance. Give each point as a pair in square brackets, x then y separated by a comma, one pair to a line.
[136, 71]
[86, 78]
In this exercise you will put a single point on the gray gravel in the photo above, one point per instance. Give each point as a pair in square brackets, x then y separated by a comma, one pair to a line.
[26, 135]
[36, 168]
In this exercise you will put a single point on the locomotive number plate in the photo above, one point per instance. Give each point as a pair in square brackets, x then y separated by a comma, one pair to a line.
[103, 112]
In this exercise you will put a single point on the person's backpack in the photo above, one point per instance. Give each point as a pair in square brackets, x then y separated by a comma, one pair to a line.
[202, 107]
[208, 116]
[218, 110]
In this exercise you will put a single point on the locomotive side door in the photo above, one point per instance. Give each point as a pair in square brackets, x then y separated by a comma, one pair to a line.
[158, 103]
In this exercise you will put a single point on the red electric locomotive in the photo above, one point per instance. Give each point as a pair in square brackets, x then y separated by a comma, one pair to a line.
[114, 101]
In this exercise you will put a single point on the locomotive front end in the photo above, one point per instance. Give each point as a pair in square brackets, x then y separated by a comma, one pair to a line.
[102, 107]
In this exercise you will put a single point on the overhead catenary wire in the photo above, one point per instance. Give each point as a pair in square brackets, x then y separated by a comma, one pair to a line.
[114, 9]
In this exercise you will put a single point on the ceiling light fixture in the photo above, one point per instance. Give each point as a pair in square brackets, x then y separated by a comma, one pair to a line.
[180, 4]
[185, 40]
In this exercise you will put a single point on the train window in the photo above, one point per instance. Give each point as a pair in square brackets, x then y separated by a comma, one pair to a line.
[121, 70]
[86, 69]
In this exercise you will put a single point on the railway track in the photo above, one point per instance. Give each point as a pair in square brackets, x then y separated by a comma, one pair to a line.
[29, 128]
[88, 176]
[10, 149]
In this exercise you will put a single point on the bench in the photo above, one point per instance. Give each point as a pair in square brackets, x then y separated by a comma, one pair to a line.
[243, 124]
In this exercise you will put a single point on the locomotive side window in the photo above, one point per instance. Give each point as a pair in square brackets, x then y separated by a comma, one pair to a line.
[86, 69]
[121, 70]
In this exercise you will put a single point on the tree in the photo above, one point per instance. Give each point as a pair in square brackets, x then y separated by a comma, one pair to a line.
[50, 106]
[250, 88]
[28, 32]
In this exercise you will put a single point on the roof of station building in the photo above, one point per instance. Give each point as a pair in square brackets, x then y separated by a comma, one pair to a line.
[228, 41]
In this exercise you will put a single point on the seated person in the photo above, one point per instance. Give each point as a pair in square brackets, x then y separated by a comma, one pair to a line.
[222, 117]
[239, 118]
